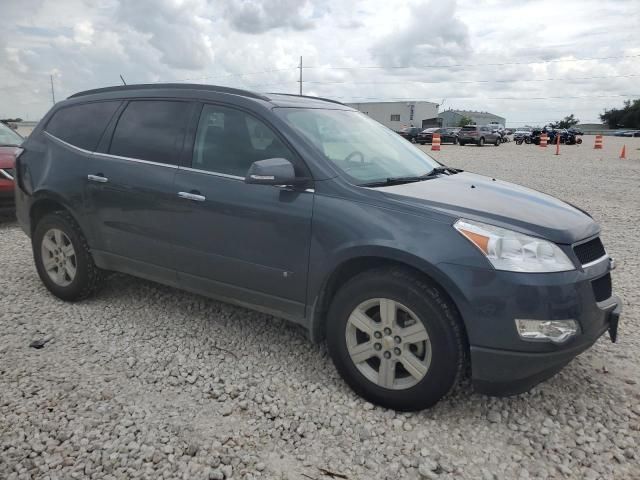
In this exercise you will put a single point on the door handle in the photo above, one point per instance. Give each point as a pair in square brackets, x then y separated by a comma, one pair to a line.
[98, 178]
[196, 197]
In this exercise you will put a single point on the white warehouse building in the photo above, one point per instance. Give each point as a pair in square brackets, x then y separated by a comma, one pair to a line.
[397, 115]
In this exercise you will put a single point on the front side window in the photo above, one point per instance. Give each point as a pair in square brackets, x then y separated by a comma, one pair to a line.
[82, 125]
[361, 148]
[151, 130]
[228, 141]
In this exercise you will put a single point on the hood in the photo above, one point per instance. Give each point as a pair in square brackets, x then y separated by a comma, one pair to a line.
[476, 197]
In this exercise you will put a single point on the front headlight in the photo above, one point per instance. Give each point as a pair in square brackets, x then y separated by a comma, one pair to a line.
[513, 251]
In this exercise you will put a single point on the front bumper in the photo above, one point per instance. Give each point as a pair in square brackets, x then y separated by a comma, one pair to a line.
[489, 301]
[505, 372]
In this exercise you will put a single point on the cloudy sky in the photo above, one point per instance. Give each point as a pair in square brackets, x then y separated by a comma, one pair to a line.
[522, 59]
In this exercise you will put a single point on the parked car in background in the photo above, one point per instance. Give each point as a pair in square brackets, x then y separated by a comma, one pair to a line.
[10, 142]
[631, 133]
[479, 135]
[522, 135]
[575, 131]
[410, 133]
[621, 133]
[413, 272]
[447, 135]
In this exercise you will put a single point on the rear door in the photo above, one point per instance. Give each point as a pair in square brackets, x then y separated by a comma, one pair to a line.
[246, 243]
[130, 190]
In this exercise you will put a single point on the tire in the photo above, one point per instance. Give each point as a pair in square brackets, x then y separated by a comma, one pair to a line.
[455, 140]
[87, 277]
[481, 142]
[527, 140]
[497, 142]
[413, 140]
[415, 299]
[461, 143]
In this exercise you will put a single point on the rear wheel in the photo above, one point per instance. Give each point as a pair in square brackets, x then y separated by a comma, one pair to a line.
[62, 257]
[395, 339]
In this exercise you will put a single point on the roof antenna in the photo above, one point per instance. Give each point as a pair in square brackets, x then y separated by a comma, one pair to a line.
[121, 78]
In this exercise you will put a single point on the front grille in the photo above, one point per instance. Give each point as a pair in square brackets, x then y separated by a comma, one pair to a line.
[602, 288]
[589, 251]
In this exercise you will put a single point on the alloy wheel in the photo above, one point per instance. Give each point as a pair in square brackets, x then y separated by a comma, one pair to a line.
[388, 344]
[59, 257]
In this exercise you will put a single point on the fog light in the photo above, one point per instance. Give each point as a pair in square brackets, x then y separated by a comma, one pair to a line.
[556, 331]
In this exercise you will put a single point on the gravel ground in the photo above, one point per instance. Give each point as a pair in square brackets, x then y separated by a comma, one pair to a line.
[145, 381]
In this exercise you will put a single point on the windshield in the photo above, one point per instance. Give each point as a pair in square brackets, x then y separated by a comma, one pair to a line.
[8, 136]
[361, 148]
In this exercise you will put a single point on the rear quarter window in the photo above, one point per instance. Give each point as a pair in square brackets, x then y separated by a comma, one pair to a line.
[82, 125]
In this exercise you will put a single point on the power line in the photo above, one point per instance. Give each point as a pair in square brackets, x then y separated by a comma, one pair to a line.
[458, 65]
[492, 98]
[330, 82]
[231, 75]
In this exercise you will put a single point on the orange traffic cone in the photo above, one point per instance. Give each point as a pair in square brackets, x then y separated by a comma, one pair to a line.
[623, 153]
[543, 140]
[435, 142]
[598, 143]
[558, 144]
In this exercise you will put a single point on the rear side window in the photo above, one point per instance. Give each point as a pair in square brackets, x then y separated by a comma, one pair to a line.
[82, 125]
[151, 130]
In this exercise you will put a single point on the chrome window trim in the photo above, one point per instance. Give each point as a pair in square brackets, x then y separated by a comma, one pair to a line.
[67, 144]
[108, 155]
[596, 261]
[130, 159]
[6, 174]
[215, 174]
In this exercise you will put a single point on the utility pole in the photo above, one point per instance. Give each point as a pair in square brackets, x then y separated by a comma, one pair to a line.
[300, 81]
[53, 95]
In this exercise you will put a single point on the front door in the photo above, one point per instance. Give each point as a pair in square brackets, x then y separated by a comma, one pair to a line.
[130, 187]
[246, 243]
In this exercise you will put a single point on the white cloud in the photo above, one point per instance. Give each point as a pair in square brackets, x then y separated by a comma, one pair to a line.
[89, 44]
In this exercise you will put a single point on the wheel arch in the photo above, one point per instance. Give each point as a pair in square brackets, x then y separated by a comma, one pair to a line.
[347, 268]
[46, 202]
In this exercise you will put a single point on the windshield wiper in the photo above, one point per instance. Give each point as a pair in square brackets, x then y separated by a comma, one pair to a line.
[396, 181]
[444, 170]
[412, 179]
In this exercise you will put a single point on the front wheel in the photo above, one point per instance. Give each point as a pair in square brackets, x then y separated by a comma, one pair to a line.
[481, 142]
[62, 257]
[497, 142]
[395, 339]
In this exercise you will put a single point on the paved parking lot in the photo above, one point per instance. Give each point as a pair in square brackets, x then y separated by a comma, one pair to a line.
[144, 381]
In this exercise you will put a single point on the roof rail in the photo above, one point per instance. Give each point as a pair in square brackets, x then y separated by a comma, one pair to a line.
[308, 96]
[183, 86]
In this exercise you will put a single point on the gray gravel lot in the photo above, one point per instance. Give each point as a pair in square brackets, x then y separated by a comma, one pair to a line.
[145, 381]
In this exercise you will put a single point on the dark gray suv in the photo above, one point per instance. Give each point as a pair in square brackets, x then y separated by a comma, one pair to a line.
[309, 210]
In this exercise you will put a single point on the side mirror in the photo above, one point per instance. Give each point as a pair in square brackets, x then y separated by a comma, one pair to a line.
[272, 171]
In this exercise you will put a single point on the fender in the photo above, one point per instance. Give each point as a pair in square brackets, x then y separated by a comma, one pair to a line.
[384, 254]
